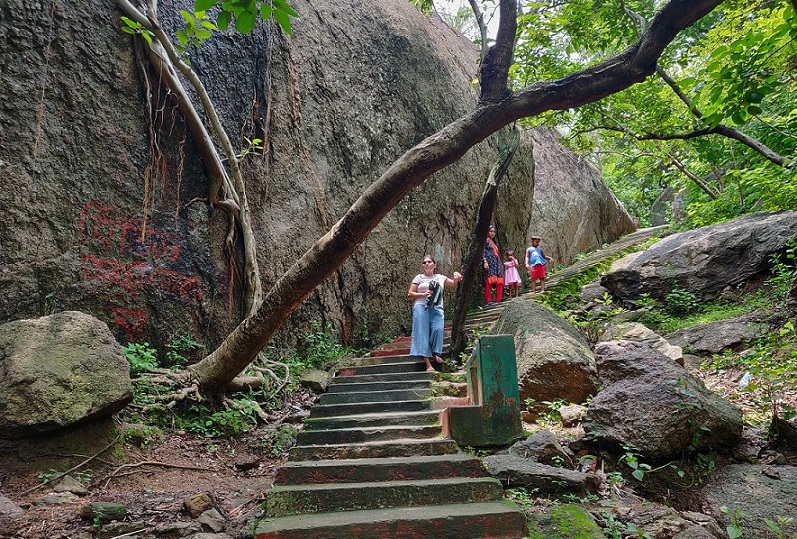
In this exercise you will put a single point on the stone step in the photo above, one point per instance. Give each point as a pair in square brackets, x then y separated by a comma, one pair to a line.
[303, 499]
[357, 408]
[376, 396]
[339, 387]
[384, 368]
[393, 448]
[379, 469]
[389, 377]
[426, 417]
[390, 356]
[494, 520]
[372, 434]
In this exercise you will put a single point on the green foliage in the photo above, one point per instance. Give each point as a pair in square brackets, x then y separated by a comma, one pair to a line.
[521, 496]
[226, 422]
[252, 146]
[279, 440]
[680, 302]
[176, 349]
[320, 348]
[136, 28]
[197, 29]
[773, 366]
[245, 13]
[141, 356]
[593, 323]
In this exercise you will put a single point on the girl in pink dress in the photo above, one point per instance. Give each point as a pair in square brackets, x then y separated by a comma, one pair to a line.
[511, 276]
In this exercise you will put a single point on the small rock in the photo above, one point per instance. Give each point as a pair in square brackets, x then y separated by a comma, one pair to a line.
[197, 504]
[213, 520]
[55, 499]
[9, 508]
[103, 511]
[771, 472]
[70, 484]
[118, 529]
[692, 362]
[246, 461]
[177, 530]
[315, 380]
[211, 536]
[571, 414]
[745, 451]
[543, 447]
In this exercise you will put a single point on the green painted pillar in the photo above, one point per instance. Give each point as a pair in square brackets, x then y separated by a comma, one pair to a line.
[493, 417]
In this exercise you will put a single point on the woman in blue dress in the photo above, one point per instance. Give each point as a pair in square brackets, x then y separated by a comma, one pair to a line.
[427, 312]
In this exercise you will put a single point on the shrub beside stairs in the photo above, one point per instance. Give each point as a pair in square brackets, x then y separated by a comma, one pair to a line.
[372, 462]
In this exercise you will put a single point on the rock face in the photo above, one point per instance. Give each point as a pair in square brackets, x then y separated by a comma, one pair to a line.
[714, 337]
[654, 405]
[356, 85]
[514, 471]
[705, 260]
[753, 496]
[579, 218]
[57, 371]
[636, 332]
[553, 360]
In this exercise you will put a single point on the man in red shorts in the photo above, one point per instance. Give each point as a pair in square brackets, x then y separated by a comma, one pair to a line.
[535, 262]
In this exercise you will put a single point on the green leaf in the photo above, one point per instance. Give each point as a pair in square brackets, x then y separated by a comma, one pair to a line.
[128, 30]
[734, 532]
[130, 22]
[202, 33]
[188, 17]
[754, 110]
[182, 37]
[265, 11]
[284, 21]
[638, 474]
[209, 25]
[223, 20]
[245, 22]
[204, 5]
[147, 36]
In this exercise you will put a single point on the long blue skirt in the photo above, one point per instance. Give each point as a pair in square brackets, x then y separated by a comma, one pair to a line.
[427, 331]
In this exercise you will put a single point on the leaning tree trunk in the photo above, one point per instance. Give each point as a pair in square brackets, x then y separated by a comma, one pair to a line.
[473, 258]
[434, 153]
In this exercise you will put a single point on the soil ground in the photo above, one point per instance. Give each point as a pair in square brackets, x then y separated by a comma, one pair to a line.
[152, 482]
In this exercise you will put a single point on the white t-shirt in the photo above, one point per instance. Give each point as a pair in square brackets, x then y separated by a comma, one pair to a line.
[423, 286]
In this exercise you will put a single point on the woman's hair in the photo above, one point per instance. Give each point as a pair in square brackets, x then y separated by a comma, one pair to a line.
[492, 227]
[430, 257]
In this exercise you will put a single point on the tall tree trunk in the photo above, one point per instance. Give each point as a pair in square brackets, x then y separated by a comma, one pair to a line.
[507, 140]
[432, 154]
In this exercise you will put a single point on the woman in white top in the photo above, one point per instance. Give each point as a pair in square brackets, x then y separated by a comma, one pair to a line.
[427, 312]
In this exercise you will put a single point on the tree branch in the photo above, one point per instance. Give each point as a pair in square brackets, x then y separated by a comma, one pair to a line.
[432, 154]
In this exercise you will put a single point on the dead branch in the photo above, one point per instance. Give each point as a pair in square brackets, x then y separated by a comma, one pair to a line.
[118, 470]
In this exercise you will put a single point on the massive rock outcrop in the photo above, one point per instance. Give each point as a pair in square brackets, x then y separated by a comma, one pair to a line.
[96, 219]
[705, 260]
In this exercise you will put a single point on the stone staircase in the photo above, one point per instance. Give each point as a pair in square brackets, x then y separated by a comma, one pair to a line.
[372, 462]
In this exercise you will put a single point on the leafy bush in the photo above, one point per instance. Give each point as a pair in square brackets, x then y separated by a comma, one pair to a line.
[680, 301]
[141, 356]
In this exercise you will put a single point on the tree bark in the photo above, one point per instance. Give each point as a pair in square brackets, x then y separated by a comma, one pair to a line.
[432, 154]
[473, 257]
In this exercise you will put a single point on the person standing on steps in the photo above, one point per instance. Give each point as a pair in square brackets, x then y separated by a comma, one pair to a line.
[427, 312]
[512, 280]
[535, 263]
[493, 269]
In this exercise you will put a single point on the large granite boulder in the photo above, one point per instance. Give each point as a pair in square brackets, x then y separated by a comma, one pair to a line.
[714, 337]
[356, 85]
[752, 493]
[634, 331]
[58, 371]
[514, 471]
[554, 361]
[706, 260]
[654, 405]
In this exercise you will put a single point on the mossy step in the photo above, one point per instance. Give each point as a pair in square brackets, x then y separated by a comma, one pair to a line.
[425, 417]
[412, 365]
[384, 449]
[389, 377]
[376, 396]
[379, 469]
[339, 387]
[304, 499]
[373, 434]
[332, 410]
[496, 520]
